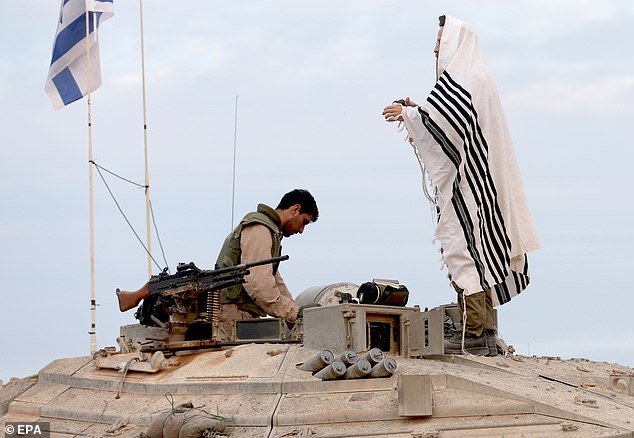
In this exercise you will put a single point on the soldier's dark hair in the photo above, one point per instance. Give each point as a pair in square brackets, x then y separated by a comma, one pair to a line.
[303, 198]
[441, 20]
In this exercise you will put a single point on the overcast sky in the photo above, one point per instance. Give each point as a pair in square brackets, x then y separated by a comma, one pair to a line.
[312, 78]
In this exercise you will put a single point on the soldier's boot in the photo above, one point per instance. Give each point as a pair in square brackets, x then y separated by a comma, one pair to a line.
[491, 342]
[475, 338]
[473, 344]
[490, 329]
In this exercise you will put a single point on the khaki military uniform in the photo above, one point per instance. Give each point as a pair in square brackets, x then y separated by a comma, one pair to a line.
[264, 292]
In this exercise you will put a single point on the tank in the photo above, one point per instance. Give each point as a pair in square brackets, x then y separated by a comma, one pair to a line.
[345, 370]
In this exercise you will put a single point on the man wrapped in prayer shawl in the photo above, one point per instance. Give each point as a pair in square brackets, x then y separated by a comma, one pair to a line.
[462, 142]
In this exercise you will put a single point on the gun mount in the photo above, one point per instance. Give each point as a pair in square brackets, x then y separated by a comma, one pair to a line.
[182, 311]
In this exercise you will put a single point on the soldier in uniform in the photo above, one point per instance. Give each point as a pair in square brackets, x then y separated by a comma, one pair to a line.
[259, 236]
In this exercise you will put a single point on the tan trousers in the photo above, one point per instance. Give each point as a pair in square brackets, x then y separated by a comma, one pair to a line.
[480, 312]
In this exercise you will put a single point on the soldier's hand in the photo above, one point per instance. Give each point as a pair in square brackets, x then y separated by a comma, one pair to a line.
[300, 314]
[392, 113]
[409, 102]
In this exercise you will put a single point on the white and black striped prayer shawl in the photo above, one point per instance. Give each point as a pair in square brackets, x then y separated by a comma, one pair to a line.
[461, 137]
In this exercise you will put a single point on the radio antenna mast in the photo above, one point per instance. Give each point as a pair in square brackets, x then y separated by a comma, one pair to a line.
[233, 185]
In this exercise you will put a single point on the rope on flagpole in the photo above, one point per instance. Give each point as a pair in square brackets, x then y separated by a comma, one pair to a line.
[99, 168]
[158, 236]
[93, 304]
[145, 150]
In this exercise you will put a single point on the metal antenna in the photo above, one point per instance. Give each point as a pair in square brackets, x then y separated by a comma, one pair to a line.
[233, 186]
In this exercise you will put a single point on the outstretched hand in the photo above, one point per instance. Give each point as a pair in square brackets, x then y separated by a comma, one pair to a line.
[393, 113]
[409, 102]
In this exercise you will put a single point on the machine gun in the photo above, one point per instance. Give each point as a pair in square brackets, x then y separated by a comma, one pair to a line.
[190, 291]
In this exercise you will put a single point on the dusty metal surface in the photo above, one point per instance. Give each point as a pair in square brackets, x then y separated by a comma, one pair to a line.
[261, 393]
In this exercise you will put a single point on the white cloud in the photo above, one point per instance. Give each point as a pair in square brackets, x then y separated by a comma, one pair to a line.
[540, 20]
[127, 81]
[11, 228]
[608, 97]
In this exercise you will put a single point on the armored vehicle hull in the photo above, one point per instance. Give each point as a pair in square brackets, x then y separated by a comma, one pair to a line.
[260, 392]
[267, 388]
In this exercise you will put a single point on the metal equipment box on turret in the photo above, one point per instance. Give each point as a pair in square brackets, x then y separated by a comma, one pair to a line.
[397, 331]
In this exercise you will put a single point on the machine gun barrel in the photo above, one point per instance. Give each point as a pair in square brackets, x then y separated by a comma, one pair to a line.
[250, 265]
[188, 274]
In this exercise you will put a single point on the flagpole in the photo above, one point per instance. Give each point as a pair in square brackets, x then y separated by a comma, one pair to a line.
[93, 329]
[147, 173]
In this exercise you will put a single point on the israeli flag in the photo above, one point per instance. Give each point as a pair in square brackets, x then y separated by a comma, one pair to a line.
[68, 75]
